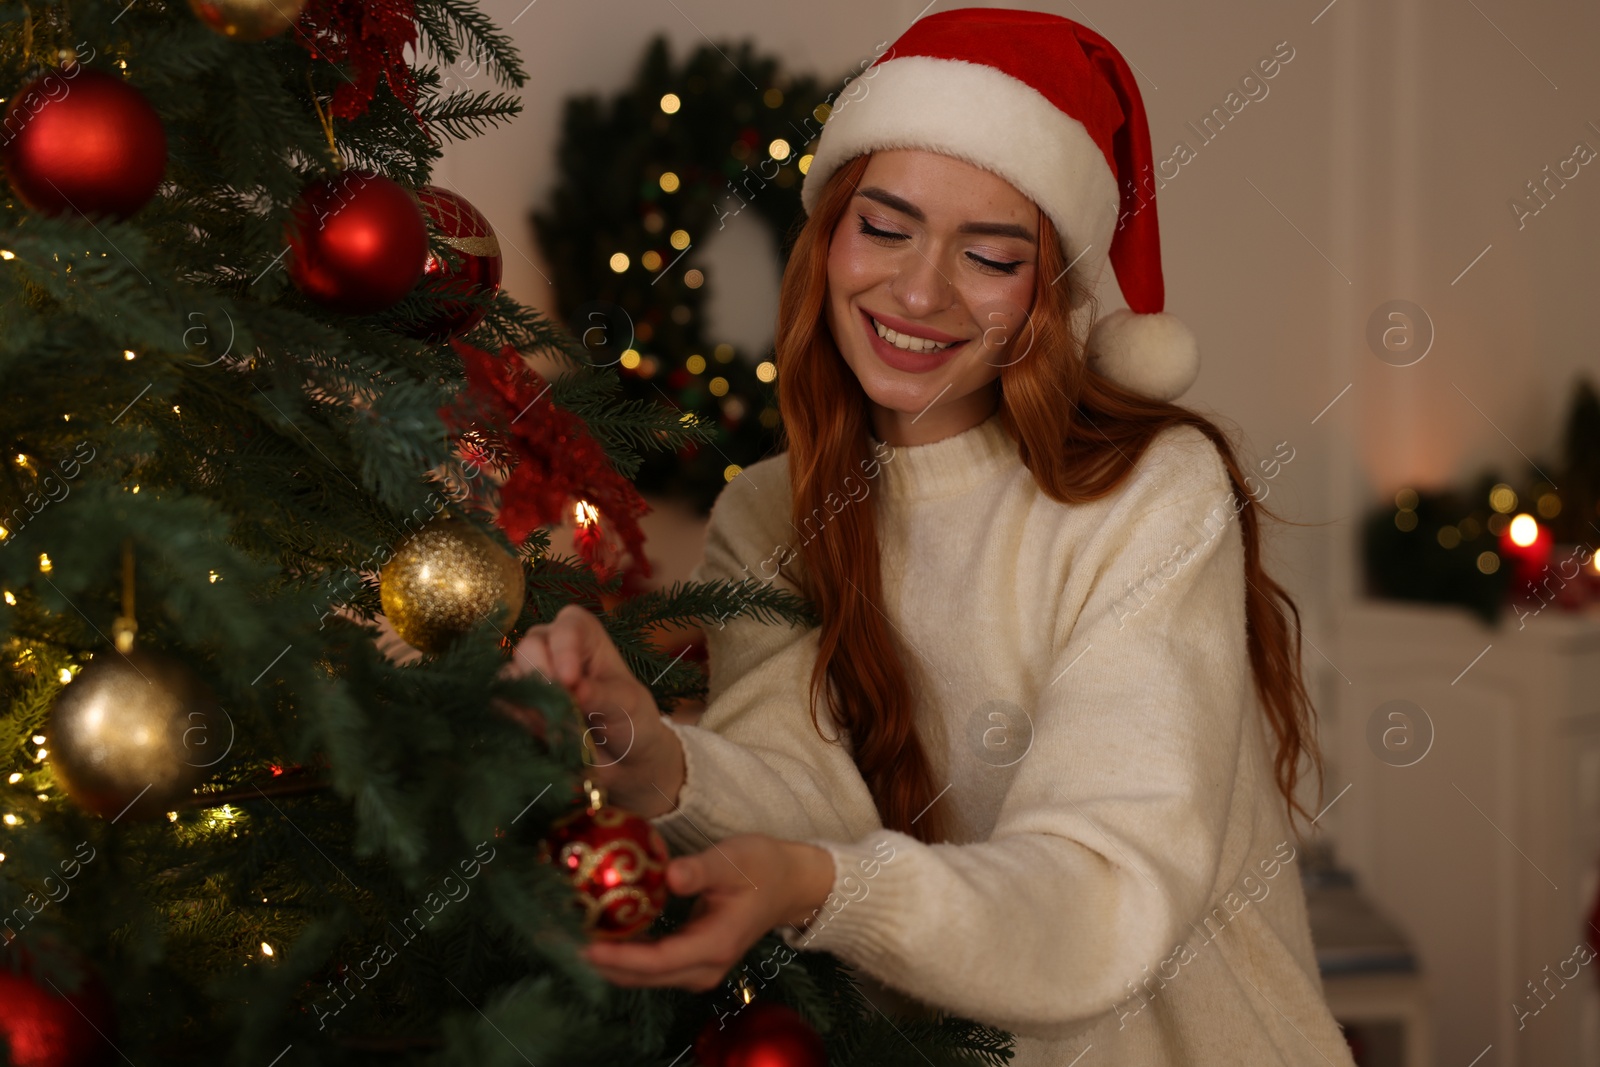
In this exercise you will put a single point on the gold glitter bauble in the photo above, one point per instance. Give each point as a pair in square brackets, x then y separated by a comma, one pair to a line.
[248, 20]
[132, 733]
[447, 578]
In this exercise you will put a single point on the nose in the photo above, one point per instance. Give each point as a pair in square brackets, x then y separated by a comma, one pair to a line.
[921, 285]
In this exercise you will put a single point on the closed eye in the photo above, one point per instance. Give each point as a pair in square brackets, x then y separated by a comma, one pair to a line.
[1003, 268]
[890, 235]
[872, 231]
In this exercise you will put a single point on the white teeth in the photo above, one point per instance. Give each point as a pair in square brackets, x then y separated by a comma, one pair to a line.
[910, 344]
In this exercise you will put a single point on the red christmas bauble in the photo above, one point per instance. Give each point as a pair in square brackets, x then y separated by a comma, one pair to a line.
[471, 237]
[46, 1029]
[617, 864]
[761, 1034]
[357, 242]
[81, 140]
[248, 20]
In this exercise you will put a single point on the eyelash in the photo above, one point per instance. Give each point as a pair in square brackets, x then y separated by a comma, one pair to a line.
[872, 231]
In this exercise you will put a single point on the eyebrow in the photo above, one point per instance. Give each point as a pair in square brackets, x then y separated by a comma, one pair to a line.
[906, 207]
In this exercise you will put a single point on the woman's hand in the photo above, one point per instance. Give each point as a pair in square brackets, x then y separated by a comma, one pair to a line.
[747, 884]
[639, 761]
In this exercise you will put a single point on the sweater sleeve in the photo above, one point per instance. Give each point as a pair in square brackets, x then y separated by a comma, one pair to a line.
[1108, 839]
[755, 762]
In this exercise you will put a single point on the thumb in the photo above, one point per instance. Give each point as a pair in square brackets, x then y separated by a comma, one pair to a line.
[687, 875]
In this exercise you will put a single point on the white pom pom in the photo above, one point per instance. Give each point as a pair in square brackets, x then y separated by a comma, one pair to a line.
[1153, 355]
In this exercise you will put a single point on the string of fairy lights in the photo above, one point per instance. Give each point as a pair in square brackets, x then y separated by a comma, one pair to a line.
[1523, 539]
[698, 149]
[779, 151]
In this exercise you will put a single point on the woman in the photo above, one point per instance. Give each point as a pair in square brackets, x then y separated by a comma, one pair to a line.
[1037, 763]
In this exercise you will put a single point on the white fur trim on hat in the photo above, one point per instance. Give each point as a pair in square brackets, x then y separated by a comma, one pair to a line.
[1154, 355]
[985, 117]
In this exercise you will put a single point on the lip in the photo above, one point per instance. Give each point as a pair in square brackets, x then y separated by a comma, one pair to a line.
[912, 330]
[899, 358]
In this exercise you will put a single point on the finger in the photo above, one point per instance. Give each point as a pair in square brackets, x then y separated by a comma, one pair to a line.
[699, 979]
[532, 654]
[531, 721]
[528, 718]
[597, 653]
[515, 712]
[712, 869]
[686, 875]
[661, 964]
[703, 942]
[696, 976]
[572, 643]
[617, 695]
[607, 706]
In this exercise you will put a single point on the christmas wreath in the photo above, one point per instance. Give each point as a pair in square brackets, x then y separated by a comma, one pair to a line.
[645, 179]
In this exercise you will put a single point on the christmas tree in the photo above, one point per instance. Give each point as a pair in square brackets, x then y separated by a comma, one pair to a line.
[264, 387]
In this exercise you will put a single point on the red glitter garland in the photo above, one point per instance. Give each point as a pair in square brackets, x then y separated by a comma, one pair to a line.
[556, 460]
[370, 37]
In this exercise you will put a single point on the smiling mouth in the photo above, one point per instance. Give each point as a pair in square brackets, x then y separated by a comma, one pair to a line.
[907, 343]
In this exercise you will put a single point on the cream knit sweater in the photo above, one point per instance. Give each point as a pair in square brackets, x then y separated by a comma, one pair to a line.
[1121, 884]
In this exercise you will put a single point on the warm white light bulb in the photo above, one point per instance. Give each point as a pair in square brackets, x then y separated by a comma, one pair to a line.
[1524, 530]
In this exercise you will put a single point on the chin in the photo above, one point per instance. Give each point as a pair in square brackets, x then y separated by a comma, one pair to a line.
[906, 397]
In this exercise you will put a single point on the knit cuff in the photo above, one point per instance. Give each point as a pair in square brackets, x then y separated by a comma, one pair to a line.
[689, 826]
[861, 917]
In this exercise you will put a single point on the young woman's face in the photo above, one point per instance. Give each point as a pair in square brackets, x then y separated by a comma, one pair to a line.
[930, 276]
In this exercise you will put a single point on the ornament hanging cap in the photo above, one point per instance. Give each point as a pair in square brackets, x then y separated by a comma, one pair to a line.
[125, 626]
[592, 792]
[1053, 108]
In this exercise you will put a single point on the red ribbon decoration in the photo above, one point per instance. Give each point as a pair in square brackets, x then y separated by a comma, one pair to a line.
[371, 38]
[557, 461]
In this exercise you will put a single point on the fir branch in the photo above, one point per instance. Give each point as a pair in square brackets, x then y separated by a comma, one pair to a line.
[525, 329]
[625, 428]
[713, 603]
[463, 115]
[453, 28]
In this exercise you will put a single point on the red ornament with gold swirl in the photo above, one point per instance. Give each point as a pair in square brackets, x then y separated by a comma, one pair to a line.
[616, 863]
[466, 231]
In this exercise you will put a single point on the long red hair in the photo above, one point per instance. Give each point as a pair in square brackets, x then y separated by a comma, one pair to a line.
[1082, 457]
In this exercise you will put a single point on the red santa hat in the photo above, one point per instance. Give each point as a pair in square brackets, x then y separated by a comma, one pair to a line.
[1051, 107]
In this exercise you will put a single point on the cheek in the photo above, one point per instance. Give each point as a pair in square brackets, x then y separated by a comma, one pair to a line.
[855, 265]
[1014, 293]
[1000, 306]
